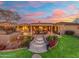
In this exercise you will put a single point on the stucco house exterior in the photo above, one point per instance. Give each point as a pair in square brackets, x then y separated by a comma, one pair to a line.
[67, 26]
[59, 28]
[44, 28]
[33, 28]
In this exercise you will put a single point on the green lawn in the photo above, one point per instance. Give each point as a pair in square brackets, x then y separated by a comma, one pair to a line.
[20, 53]
[68, 46]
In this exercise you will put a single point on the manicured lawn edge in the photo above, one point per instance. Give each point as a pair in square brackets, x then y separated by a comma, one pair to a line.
[17, 53]
[11, 50]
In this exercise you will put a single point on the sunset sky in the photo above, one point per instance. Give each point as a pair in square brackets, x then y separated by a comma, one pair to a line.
[43, 11]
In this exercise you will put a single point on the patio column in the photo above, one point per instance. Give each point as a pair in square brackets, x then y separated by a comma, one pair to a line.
[31, 29]
[51, 29]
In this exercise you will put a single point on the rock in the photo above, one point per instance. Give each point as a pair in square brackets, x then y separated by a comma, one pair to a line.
[36, 56]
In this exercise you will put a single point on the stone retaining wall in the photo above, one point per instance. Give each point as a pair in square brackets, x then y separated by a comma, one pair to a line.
[5, 40]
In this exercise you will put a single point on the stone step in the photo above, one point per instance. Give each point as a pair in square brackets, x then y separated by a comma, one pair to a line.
[36, 56]
[39, 42]
[38, 45]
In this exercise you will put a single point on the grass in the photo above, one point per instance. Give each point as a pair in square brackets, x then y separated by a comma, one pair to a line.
[67, 47]
[21, 53]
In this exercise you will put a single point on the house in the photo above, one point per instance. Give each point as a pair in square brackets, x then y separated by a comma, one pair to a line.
[68, 26]
[59, 28]
[44, 28]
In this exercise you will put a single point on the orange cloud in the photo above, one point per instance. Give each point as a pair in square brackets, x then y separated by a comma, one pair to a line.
[58, 12]
[70, 18]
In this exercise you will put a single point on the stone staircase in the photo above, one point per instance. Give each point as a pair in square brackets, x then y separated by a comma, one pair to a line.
[38, 45]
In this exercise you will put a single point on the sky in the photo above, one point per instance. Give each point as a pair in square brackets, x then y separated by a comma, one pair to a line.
[43, 11]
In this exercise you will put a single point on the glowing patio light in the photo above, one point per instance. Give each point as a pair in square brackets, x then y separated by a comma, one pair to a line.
[40, 27]
[25, 33]
[25, 28]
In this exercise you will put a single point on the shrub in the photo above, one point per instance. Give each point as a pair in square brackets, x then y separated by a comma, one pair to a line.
[69, 32]
[2, 47]
[26, 41]
[52, 40]
[49, 38]
[52, 43]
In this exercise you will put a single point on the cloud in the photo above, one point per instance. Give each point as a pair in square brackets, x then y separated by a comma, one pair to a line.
[13, 10]
[50, 19]
[19, 4]
[31, 18]
[47, 1]
[28, 20]
[69, 18]
[36, 14]
[1, 2]
[35, 4]
[72, 6]
[58, 12]
[71, 9]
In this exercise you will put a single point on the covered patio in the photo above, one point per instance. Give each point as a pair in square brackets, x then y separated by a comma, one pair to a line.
[38, 28]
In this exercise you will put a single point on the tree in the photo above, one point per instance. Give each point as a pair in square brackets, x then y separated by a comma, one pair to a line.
[76, 20]
[8, 15]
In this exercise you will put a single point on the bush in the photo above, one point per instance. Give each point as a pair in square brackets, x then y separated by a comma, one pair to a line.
[69, 32]
[49, 38]
[52, 40]
[26, 41]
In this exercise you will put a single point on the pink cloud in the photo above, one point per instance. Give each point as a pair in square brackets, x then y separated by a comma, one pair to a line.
[35, 4]
[58, 12]
[72, 6]
[13, 10]
[1, 2]
[69, 18]
[21, 5]
[51, 19]
[29, 20]
[35, 14]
